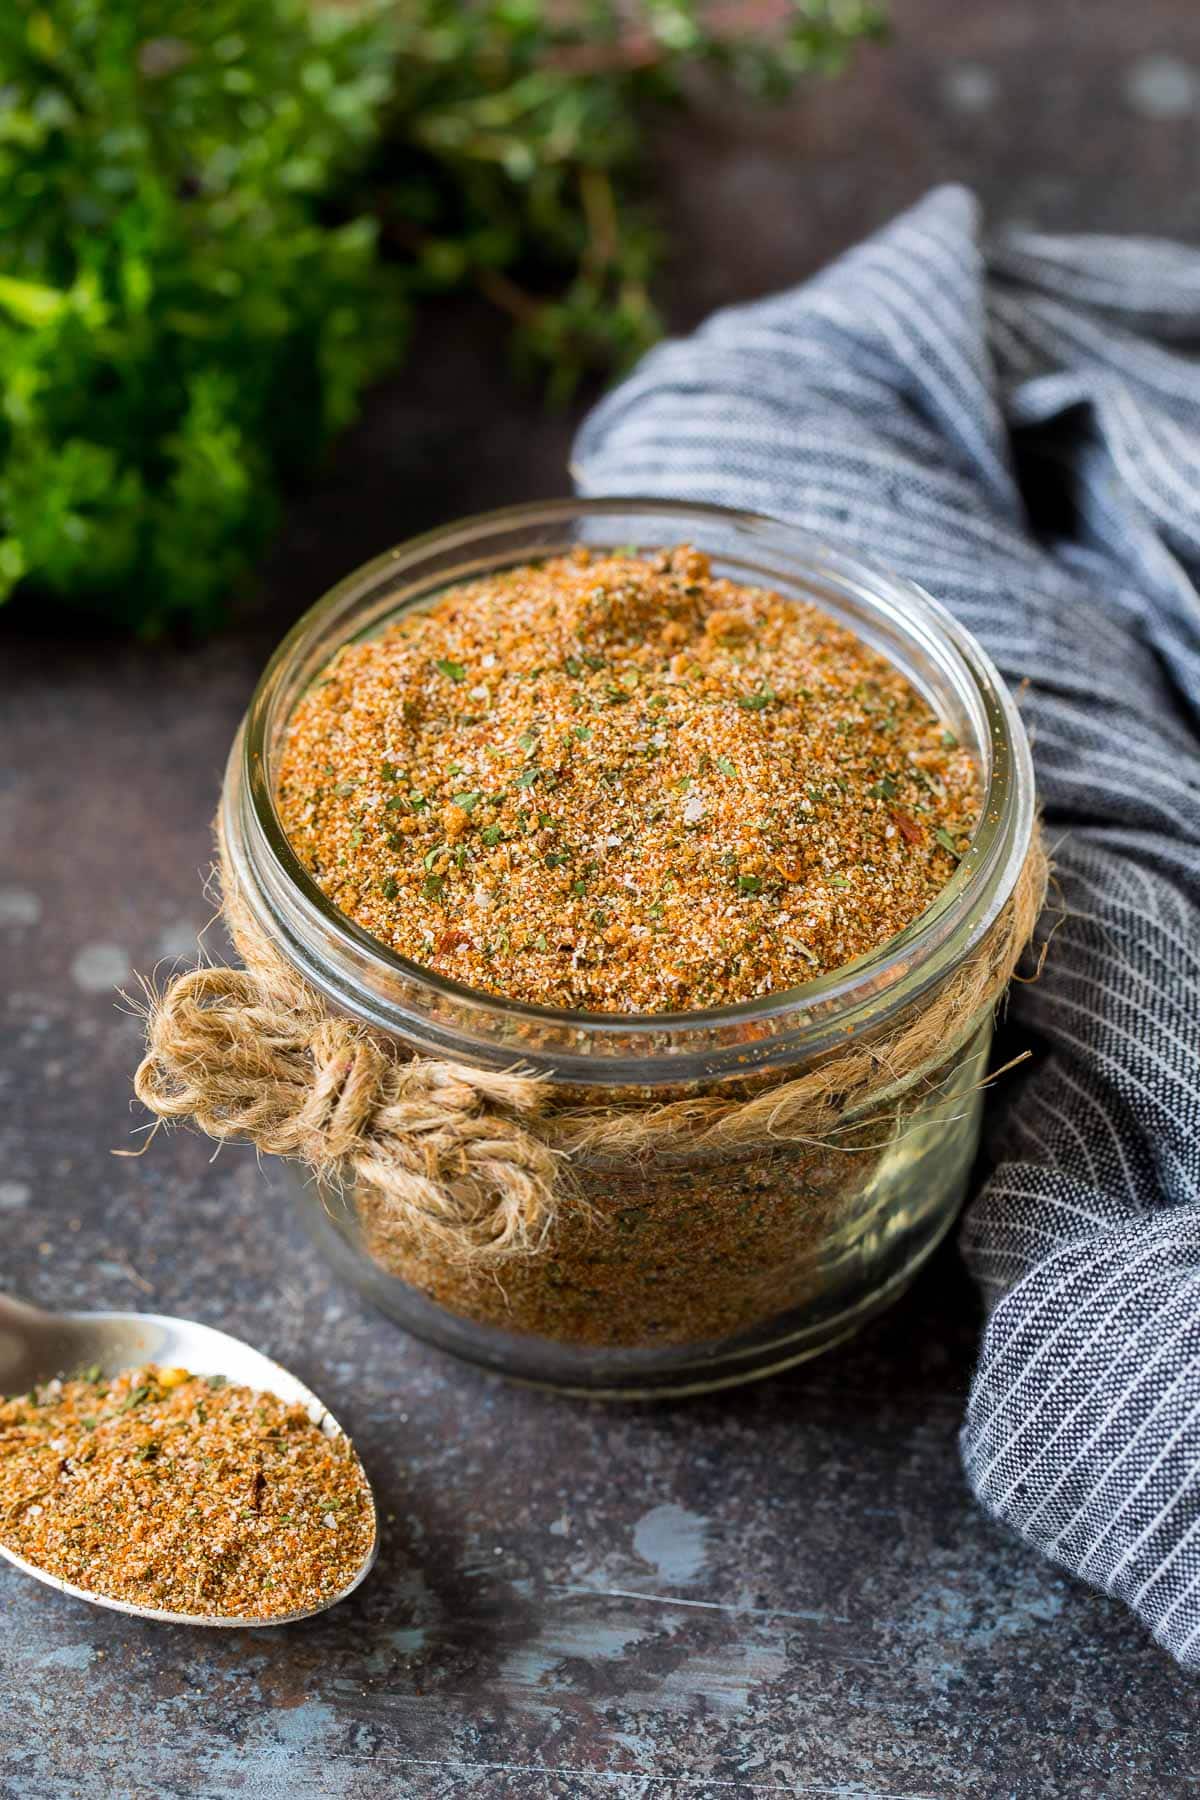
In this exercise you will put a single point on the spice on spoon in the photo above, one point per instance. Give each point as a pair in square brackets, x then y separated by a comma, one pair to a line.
[183, 1493]
[621, 783]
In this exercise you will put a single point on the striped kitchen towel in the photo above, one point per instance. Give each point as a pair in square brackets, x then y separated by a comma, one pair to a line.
[1015, 423]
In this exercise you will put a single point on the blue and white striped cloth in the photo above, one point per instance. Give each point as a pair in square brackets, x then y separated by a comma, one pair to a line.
[1016, 425]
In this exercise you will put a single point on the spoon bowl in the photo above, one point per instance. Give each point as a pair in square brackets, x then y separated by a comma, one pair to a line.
[36, 1346]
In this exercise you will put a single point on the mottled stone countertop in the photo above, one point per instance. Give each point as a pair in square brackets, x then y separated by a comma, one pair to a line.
[784, 1590]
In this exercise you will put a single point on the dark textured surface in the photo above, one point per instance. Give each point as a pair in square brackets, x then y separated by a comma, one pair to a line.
[784, 1590]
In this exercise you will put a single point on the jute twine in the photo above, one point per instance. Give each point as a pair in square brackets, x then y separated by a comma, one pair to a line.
[476, 1162]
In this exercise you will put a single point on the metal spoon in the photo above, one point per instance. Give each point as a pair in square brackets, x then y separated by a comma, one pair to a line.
[36, 1346]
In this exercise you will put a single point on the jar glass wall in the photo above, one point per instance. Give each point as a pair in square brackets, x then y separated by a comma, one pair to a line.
[681, 1270]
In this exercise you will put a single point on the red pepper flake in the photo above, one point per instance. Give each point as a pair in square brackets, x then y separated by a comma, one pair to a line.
[907, 826]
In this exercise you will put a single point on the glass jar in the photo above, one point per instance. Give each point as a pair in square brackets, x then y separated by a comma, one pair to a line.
[680, 1271]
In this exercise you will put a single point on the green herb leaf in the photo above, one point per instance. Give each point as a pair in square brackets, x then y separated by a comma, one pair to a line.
[388, 771]
[490, 835]
[468, 802]
[526, 778]
[749, 884]
[453, 671]
[942, 837]
[194, 295]
[390, 888]
[582, 732]
[725, 766]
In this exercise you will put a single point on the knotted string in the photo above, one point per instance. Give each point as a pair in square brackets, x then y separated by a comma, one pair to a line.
[479, 1160]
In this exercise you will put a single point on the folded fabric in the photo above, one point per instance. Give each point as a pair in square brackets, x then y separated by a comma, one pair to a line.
[1016, 425]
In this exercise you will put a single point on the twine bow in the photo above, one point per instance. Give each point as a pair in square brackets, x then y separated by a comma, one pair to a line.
[478, 1160]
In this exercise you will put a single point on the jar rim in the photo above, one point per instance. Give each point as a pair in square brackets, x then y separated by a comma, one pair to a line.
[438, 1016]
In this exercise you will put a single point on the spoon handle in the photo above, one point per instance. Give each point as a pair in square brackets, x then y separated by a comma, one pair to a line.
[27, 1336]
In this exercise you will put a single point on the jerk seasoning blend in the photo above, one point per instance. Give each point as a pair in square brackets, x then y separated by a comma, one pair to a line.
[181, 1492]
[615, 783]
[664, 830]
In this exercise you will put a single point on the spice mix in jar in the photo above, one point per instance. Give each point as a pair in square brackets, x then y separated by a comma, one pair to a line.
[623, 892]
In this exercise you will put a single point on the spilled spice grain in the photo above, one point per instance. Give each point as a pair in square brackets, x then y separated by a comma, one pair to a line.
[621, 783]
[184, 1493]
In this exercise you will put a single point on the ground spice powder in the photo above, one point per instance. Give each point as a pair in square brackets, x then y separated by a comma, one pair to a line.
[674, 1250]
[187, 1494]
[615, 782]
